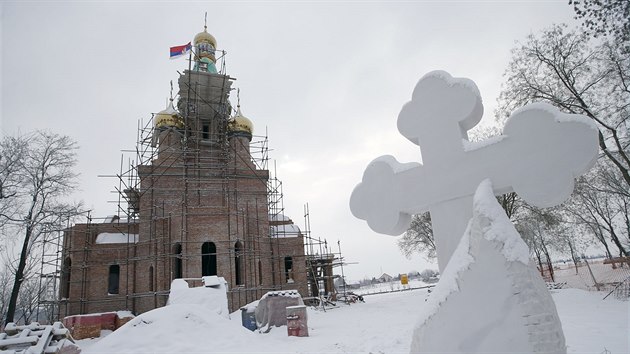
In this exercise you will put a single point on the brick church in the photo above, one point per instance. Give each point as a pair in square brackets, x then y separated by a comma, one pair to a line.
[199, 206]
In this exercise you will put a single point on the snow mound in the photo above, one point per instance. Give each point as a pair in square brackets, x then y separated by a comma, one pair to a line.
[213, 298]
[191, 313]
[177, 328]
[489, 299]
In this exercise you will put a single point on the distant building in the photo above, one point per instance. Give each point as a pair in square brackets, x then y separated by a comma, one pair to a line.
[200, 205]
[385, 278]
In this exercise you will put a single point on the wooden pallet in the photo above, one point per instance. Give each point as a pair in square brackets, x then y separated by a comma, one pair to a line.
[37, 339]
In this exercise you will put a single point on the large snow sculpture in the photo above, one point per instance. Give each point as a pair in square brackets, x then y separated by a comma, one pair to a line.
[538, 156]
[489, 297]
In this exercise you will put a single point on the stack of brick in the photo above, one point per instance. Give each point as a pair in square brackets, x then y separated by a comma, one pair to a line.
[37, 339]
[90, 326]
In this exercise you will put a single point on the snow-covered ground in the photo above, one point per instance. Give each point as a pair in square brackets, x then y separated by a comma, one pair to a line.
[604, 274]
[383, 324]
[394, 285]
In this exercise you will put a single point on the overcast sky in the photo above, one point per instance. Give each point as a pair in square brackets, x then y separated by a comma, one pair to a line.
[327, 79]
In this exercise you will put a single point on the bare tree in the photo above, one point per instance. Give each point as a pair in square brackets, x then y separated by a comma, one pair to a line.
[573, 237]
[12, 150]
[5, 294]
[27, 302]
[604, 18]
[539, 229]
[569, 70]
[419, 237]
[595, 205]
[43, 177]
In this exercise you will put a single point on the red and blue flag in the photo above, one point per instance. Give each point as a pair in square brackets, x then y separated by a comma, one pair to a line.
[180, 50]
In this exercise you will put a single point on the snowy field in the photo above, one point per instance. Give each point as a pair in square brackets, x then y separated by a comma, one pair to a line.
[583, 279]
[385, 287]
[383, 324]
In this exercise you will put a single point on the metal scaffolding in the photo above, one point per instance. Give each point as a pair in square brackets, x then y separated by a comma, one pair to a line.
[201, 159]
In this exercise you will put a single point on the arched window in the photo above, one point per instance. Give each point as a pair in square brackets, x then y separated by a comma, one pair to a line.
[208, 259]
[260, 277]
[151, 279]
[177, 262]
[238, 263]
[113, 280]
[65, 287]
[288, 269]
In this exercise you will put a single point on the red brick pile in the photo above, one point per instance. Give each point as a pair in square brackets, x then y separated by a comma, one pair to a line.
[90, 326]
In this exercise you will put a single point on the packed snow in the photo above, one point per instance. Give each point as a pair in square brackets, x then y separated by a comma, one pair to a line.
[383, 324]
[111, 237]
[212, 296]
[498, 228]
[489, 279]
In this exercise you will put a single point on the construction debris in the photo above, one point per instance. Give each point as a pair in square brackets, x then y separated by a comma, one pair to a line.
[37, 339]
[271, 309]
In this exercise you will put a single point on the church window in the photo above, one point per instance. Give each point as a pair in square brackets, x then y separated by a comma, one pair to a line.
[288, 269]
[205, 132]
[260, 275]
[238, 263]
[113, 280]
[208, 259]
[177, 261]
[151, 279]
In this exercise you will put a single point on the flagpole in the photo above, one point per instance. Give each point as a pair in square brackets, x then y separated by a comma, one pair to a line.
[189, 58]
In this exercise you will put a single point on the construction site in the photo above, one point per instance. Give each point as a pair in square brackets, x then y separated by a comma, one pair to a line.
[198, 196]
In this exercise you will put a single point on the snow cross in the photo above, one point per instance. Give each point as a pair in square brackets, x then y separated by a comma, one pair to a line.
[538, 156]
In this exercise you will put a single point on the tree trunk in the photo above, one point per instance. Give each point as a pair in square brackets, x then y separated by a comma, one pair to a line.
[600, 237]
[549, 265]
[540, 265]
[622, 251]
[573, 256]
[19, 277]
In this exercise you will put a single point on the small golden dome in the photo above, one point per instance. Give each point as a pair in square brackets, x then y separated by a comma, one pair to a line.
[205, 37]
[240, 126]
[168, 118]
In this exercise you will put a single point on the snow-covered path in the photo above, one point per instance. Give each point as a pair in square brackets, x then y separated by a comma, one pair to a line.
[591, 325]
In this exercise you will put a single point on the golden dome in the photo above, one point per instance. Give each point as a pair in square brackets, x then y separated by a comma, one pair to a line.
[240, 126]
[168, 118]
[205, 37]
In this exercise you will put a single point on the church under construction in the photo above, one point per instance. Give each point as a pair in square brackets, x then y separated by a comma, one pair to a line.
[197, 200]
